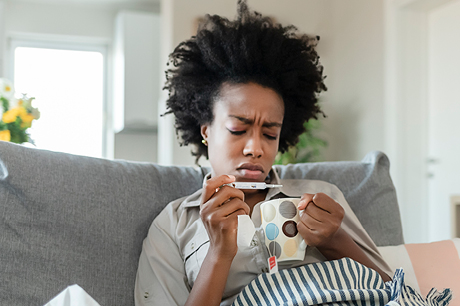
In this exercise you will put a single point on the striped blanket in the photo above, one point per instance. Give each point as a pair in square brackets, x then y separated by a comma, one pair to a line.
[338, 282]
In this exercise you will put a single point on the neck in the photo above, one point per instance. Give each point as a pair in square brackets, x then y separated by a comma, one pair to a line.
[252, 198]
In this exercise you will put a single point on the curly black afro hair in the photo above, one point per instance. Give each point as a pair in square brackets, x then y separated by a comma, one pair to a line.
[251, 48]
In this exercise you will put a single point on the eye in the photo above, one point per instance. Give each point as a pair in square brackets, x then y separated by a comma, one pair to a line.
[236, 132]
[270, 137]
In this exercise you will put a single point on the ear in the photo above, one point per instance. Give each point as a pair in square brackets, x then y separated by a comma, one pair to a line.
[204, 131]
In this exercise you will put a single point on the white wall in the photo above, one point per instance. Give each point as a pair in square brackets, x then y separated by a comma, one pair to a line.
[351, 50]
[87, 22]
[58, 19]
[2, 35]
[136, 73]
[354, 102]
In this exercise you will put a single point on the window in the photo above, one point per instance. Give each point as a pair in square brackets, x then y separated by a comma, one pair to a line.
[69, 84]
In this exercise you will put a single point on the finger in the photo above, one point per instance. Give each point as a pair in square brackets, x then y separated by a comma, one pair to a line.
[332, 217]
[216, 222]
[329, 205]
[308, 234]
[210, 186]
[305, 232]
[325, 202]
[315, 212]
[239, 212]
[304, 200]
[311, 223]
[233, 206]
[221, 219]
[222, 202]
[224, 195]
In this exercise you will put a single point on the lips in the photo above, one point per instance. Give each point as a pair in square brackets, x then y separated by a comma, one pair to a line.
[251, 171]
[251, 167]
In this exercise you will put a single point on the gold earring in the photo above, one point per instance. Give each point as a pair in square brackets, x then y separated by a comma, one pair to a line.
[205, 142]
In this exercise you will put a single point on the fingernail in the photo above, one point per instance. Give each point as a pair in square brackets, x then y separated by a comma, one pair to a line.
[231, 177]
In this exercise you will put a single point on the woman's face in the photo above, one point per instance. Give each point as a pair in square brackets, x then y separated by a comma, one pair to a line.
[244, 135]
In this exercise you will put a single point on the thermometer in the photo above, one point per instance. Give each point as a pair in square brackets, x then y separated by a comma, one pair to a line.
[252, 185]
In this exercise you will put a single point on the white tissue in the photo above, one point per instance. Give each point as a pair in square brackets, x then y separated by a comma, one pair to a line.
[73, 296]
[246, 231]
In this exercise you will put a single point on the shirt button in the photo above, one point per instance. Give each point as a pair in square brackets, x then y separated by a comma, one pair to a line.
[193, 245]
[146, 295]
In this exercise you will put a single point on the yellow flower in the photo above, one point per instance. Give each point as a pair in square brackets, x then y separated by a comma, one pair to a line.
[21, 111]
[10, 116]
[26, 120]
[5, 135]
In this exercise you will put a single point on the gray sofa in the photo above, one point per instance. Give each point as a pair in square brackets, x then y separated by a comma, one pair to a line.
[67, 219]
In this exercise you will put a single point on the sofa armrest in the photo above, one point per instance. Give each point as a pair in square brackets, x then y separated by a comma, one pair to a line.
[427, 265]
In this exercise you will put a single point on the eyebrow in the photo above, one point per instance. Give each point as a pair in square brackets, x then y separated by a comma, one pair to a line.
[250, 121]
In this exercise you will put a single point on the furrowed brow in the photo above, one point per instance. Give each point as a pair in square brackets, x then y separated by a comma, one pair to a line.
[242, 119]
[250, 121]
[272, 124]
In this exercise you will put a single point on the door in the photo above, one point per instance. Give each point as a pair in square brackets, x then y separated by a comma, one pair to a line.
[443, 117]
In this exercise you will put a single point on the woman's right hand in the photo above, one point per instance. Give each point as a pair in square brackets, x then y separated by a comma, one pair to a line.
[219, 210]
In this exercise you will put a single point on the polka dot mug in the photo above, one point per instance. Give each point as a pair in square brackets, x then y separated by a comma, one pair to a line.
[279, 222]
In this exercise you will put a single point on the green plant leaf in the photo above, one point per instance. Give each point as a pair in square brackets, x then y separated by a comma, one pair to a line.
[308, 149]
[5, 104]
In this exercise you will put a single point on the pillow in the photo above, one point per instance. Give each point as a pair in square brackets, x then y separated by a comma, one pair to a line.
[367, 187]
[427, 265]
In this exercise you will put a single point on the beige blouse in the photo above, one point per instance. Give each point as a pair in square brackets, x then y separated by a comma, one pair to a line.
[177, 243]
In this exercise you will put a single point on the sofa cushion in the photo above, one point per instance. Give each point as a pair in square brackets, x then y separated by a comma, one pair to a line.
[67, 219]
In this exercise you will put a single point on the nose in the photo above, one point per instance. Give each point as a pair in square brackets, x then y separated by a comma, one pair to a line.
[253, 147]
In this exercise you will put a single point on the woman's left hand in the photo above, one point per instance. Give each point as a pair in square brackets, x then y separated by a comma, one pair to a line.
[320, 219]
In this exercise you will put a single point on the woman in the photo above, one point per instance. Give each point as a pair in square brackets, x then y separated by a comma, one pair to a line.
[241, 91]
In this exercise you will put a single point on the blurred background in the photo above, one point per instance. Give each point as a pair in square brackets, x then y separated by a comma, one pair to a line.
[96, 69]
